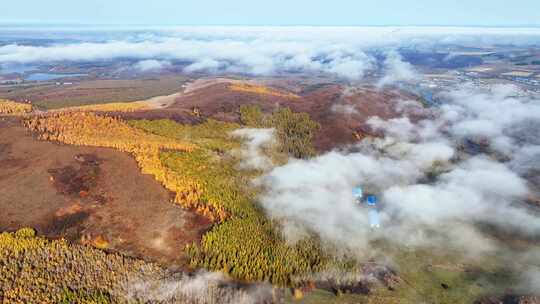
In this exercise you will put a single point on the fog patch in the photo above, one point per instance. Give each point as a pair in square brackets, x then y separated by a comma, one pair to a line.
[255, 141]
[201, 288]
[151, 65]
[396, 70]
[432, 193]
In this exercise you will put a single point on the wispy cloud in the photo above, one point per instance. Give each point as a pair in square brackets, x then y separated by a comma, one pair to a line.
[255, 140]
[151, 65]
[200, 288]
[395, 70]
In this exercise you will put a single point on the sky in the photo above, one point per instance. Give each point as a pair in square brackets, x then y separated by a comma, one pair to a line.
[275, 12]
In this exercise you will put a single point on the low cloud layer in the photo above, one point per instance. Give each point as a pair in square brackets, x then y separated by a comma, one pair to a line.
[395, 70]
[434, 192]
[151, 65]
[200, 288]
[260, 51]
[255, 140]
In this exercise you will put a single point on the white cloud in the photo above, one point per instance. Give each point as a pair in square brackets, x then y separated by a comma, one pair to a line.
[202, 287]
[205, 64]
[151, 65]
[341, 51]
[395, 70]
[495, 114]
[255, 140]
[431, 195]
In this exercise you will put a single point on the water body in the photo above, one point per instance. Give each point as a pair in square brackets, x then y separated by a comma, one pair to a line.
[50, 76]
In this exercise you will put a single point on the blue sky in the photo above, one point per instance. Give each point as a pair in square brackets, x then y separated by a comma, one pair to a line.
[275, 12]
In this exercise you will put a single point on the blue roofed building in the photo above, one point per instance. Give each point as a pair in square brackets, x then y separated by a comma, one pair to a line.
[373, 217]
[358, 194]
[370, 201]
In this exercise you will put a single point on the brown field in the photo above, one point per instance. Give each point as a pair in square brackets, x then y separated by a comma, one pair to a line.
[90, 195]
[52, 96]
[219, 101]
[220, 98]
[261, 90]
[341, 128]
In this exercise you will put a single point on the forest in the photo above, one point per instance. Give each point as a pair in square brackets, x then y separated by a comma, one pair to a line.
[195, 162]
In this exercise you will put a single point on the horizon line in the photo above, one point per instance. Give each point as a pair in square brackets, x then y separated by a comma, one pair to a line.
[79, 24]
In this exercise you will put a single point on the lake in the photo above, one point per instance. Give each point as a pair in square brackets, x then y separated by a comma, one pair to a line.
[49, 76]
